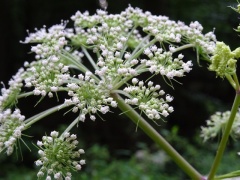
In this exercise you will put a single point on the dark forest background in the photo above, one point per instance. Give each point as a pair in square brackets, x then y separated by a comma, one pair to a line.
[200, 95]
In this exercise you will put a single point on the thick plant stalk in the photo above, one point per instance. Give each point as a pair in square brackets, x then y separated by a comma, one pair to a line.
[156, 137]
[225, 137]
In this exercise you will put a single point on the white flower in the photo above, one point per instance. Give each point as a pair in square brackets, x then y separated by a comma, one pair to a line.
[78, 167]
[119, 45]
[104, 109]
[169, 98]
[54, 134]
[57, 175]
[39, 143]
[93, 118]
[38, 163]
[40, 174]
[82, 117]
[82, 162]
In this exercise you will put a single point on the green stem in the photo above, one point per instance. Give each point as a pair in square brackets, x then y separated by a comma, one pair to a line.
[157, 138]
[231, 81]
[229, 175]
[139, 52]
[225, 136]
[236, 80]
[25, 94]
[140, 69]
[39, 116]
[78, 65]
[184, 47]
[125, 44]
[90, 59]
[71, 126]
[73, 61]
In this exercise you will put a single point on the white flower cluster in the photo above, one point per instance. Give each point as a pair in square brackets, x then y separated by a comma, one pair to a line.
[175, 32]
[115, 27]
[119, 47]
[113, 67]
[50, 41]
[114, 36]
[46, 75]
[89, 97]
[120, 44]
[162, 62]
[58, 156]
[217, 123]
[103, 29]
[11, 127]
[9, 96]
[148, 99]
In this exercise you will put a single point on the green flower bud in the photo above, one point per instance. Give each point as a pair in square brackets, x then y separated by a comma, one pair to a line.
[237, 51]
[223, 62]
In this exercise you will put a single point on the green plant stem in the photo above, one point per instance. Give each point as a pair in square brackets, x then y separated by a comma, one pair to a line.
[229, 175]
[139, 52]
[71, 126]
[236, 80]
[157, 138]
[90, 59]
[225, 136]
[125, 44]
[184, 47]
[23, 95]
[39, 116]
[77, 65]
[140, 45]
[231, 81]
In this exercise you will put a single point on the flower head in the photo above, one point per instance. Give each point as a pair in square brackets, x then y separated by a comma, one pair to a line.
[217, 123]
[162, 62]
[148, 99]
[58, 156]
[46, 75]
[89, 96]
[119, 47]
[11, 127]
[50, 41]
[9, 95]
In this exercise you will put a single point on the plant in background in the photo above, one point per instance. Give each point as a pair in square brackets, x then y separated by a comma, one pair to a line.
[119, 49]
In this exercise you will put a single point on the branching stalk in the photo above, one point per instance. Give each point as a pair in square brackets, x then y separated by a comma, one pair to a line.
[90, 58]
[157, 138]
[71, 126]
[184, 47]
[231, 81]
[225, 136]
[79, 66]
[43, 114]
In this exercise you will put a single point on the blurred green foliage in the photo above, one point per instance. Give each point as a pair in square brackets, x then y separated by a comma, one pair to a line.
[146, 163]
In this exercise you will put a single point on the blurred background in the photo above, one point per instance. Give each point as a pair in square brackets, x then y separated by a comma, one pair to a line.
[114, 149]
